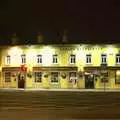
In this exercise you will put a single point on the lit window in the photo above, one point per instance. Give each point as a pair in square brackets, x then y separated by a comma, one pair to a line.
[54, 77]
[7, 76]
[118, 59]
[104, 77]
[8, 60]
[103, 58]
[55, 59]
[72, 59]
[23, 59]
[39, 58]
[38, 77]
[88, 58]
[72, 76]
[117, 77]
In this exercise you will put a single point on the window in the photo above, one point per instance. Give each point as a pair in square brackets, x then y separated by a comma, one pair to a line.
[38, 76]
[7, 76]
[55, 59]
[103, 58]
[8, 60]
[104, 76]
[23, 58]
[88, 58]
[118, 59]
[72, 76]
[72, 59]
[54, 77]
[117, 77]
[39, 58]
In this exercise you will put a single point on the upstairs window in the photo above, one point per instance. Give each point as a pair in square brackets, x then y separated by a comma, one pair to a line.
[88, 58]
[55, 59]
[8, 59]
[39, 59]
[103, 59]
[72, 59]
[118, 59]
[23, 59]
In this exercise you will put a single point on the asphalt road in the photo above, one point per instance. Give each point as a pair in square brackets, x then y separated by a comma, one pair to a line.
[59, 105]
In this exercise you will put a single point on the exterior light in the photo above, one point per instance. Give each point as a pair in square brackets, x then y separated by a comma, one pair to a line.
[118, 72]
[15, 51]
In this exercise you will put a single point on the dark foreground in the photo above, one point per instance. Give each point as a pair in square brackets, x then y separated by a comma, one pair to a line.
[56, 105]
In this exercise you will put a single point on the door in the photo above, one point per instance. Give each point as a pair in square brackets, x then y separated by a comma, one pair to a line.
[89, 81]
[21, 80]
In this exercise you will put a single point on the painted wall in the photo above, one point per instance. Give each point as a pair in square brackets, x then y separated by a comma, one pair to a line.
[63, 52]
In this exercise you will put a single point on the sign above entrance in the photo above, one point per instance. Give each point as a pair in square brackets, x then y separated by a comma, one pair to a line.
[23, 68]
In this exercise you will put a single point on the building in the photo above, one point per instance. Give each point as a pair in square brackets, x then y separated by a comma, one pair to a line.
[60, 66]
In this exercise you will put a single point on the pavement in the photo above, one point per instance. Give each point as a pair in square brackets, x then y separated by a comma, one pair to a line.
[69, 90]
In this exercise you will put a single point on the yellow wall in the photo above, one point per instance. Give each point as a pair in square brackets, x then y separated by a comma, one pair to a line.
[48, 50]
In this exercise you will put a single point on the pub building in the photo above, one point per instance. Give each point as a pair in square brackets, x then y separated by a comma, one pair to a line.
[60, 66]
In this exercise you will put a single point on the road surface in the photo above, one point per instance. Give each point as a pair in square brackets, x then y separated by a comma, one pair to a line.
[59, 105]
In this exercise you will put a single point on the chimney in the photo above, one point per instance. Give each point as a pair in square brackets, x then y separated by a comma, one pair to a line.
[65, 37]
[14, 39]
[40, 38]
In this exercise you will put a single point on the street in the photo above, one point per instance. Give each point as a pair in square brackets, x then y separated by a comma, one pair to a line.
[58, 105]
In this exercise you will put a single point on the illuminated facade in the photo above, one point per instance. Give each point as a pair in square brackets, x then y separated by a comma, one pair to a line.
[60, 66]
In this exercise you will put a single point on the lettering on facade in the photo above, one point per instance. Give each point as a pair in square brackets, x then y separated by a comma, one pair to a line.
[78, 49]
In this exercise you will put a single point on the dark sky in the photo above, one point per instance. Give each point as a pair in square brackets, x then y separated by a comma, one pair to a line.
[85, 20]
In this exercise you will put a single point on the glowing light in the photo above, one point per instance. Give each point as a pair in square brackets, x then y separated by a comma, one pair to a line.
[15, 51]
[47, 53]
[118, 72]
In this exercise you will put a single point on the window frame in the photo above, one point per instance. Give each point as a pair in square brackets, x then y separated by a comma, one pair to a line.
[55, 59]
[103, 58]
[118, 58]
[72, 59]
[23, 59]
[37, 76]
[88, 58]
[53, 79]
[8, 60]
[6, 77]
[39, 59]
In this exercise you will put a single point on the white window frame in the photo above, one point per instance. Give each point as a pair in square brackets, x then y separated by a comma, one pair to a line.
[88, 59]
[23, 59]
[71, 78]
[117, 58]
[39, 59]
[72, 59]
[55, 59]
[53, 78]
[103, 58]
[38, 75]
[8, 60]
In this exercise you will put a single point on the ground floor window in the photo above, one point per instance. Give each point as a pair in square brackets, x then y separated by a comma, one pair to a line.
[104, 76]
[117, 77]
[7, 76]
[72, 77]
[54, 77]
[38, 76]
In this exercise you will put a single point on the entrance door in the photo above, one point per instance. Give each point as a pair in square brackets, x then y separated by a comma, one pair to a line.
[21, 80]
[89, 81]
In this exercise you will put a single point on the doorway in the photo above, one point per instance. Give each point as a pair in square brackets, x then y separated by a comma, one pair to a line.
[21, 80]
[89, 81]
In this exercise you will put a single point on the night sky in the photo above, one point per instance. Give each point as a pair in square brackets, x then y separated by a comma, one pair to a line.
[86, 21]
